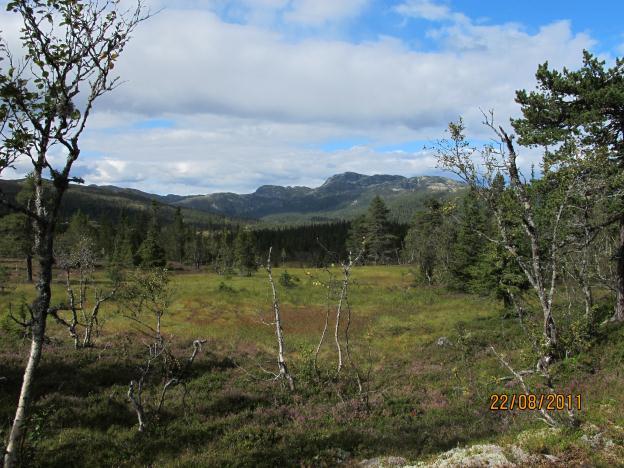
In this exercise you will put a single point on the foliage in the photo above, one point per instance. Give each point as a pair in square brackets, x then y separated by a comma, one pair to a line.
[429, 400]
[429, 240]
[245, 252]
[578, 115]
[287, 280]
[4, 278]
[151, 251]
[371, 235]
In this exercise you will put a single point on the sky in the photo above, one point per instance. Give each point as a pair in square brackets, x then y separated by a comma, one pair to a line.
[230, 95]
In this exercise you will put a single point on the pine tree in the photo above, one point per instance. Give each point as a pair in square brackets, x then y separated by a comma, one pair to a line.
[422, 242]
[245, 252]
[179, 235]
[370, 234]
[122, 254]
[469, 242]
[581, 112]
[224, 259]
[151, 252]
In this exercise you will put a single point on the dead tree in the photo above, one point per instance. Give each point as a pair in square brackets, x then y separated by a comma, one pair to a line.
[343, 301]
[178, 373]
[283, 372]
[330, 285]
[135, 389]
[147, 298]
[547, 418]
[47, 95]
[79, 256]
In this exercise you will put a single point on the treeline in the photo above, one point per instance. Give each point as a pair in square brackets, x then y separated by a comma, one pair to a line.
[147, 238]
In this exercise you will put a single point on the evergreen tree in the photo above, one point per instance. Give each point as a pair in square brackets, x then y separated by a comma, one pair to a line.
[16, 239]
[283, 255]
[423, 238]
[578, 116]
[151, 252]
[380, 242]
[17, 229]
[371, 235]
[122, 254]
[496, 273]
[245, 252]
[469, 243]
[179, 235]
[224, 259]
[197, 249]
[358, 236]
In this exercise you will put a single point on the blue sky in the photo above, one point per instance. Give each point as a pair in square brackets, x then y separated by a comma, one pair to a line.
[227, 95]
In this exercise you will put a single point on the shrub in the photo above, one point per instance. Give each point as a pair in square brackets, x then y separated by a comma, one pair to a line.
[287, 280]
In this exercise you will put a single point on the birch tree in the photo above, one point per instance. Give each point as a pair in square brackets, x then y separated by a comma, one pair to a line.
[530, 216]
[279, 332]
[48, 89]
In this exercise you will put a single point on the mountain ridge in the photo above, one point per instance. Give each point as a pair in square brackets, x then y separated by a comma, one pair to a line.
[341, 197]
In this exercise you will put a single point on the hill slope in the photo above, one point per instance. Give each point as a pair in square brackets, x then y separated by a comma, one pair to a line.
[342, 196]
[100, 202]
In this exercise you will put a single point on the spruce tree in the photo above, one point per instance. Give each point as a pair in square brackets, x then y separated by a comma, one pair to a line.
[380, 242]
[469, 243]
[122, 254]
[179, 235]
[151, 252]
[422, 242]
[245, 252]
[370, 234]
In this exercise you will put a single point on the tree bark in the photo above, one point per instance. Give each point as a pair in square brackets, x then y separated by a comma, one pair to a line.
[39, 315]
[281, 361]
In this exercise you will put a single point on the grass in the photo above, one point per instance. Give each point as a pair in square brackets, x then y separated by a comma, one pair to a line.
[423, 399]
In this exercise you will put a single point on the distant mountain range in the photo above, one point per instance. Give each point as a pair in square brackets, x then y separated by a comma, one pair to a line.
[342, 196]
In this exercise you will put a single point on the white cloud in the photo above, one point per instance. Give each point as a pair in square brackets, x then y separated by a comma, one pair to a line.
[317, 12]
[427, 9]
[188, 63]
[250, 106]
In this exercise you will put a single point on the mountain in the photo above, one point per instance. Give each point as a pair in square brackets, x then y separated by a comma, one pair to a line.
[342, 196]
[107, 202]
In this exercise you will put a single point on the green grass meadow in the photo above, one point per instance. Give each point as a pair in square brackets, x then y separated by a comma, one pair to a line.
[421, 398]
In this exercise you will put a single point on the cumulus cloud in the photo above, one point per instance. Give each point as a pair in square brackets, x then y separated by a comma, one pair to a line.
[193, 63]
[428, 10]
[315, 12]
[251, 105]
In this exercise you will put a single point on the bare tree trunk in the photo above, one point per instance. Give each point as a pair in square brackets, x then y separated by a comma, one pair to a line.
[39, 311]
[92, 321]
[619, 301]
[181, 375]
[345, 283]
[547, 418]
[330, 285]
[281, 362]
[137, 402]
[537, 276]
